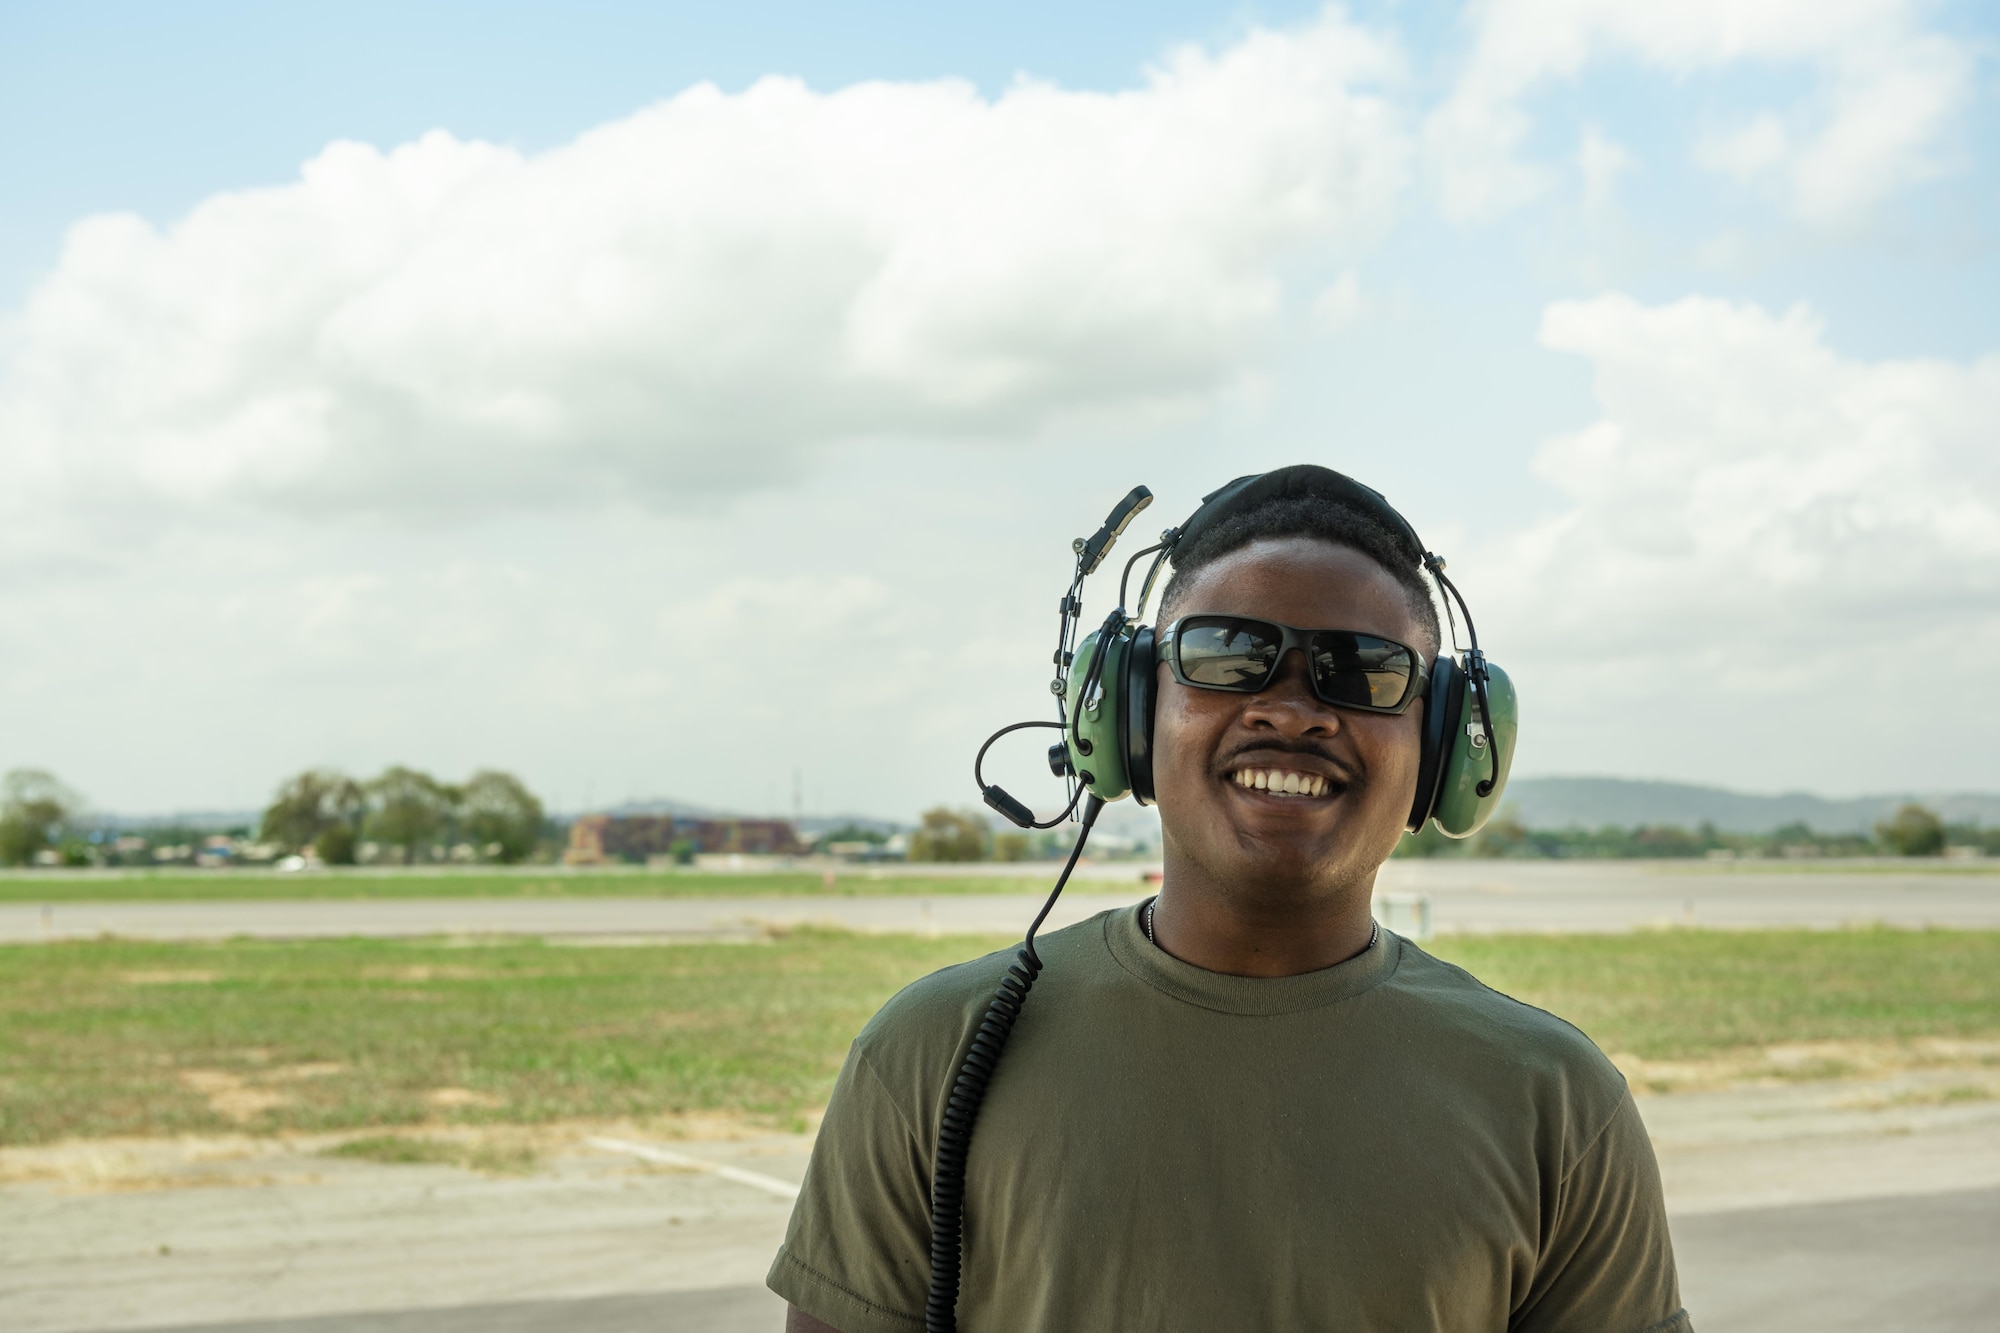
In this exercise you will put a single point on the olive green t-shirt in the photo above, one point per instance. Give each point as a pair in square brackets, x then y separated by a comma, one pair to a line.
[1382, 1145]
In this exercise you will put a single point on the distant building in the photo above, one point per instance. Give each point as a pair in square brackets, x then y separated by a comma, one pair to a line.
[596, 839]
[586, 841]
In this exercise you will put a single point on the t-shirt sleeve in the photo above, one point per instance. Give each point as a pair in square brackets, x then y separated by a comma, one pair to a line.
[1608, 1264]
[857, 1253]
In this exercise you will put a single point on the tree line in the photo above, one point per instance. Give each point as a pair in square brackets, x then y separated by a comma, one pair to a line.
[407, 811]
[409, 816]
[1912, 831]
[946, 834]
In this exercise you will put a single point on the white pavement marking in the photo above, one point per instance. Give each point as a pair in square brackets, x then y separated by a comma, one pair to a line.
[665, 1157]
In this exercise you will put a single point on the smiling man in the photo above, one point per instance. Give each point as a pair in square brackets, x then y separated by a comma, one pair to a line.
[1242, 1105]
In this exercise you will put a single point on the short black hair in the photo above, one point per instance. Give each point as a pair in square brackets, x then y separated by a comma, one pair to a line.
[1323, 519]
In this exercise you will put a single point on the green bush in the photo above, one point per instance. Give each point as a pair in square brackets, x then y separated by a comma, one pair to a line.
[1913, 831]
[951, 835]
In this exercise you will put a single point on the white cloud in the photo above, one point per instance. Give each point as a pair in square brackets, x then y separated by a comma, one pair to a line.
[1340, 304]
[1748, 151]
[1602, 160]
[694, 298]
[1760, 534]
[1886, 90]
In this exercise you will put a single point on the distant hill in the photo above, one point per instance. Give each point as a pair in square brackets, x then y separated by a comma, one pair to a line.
[659, 805]
[213, 820]
[1556, 803]
[811, 825]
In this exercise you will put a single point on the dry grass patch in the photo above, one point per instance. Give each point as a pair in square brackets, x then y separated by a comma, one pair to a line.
[1797, 1061]
[493, 1159]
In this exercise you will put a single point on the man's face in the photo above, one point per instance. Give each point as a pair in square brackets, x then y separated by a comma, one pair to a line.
[1261, 842]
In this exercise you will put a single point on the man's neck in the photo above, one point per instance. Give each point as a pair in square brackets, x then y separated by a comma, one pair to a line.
[1254, 931]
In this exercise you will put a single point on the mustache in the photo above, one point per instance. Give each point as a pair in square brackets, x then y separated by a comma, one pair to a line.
[1344, 770]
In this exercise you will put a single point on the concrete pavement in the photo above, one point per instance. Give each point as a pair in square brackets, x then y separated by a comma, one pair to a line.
[1847, 1205]
[726, 1310]
[1918, 1264]
[1486, 896]
[1465, 896]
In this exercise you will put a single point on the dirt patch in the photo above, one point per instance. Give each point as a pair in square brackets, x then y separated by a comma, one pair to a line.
[96, 1166]
[447, 1099]
[492, 1159]
[242, 1098]
[164, 976]
[426, 972]
[666, 1020]
[310, 1069]
[232, 1096]
[1801, 1061]
[1977, 1089]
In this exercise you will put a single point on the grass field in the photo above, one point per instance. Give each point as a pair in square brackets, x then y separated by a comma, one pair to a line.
[221, 885]
[117, 1037]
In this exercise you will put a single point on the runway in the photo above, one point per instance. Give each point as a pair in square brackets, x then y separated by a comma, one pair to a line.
[1464, 896]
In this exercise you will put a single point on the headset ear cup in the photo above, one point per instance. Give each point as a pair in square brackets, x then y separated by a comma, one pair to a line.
[1136, 730]
[1444, 698]
[1095, 704]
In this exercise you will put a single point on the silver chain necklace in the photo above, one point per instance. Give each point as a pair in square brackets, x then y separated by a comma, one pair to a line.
[1374, 927]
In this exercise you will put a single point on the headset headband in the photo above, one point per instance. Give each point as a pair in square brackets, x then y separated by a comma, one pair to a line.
[1297, 480]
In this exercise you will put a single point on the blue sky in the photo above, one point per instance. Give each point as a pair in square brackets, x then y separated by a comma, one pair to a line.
[132, 106]
[1674, 326]
[137, 106]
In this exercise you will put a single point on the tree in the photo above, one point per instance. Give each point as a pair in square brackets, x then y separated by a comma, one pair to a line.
[500, 815]
[1912, 831]
[335, 844]
[309, 807]
[950, 835]
[35, 811]
[408, 809]
[1503, 836]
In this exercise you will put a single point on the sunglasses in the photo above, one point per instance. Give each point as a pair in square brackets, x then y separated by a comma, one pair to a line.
[1348, 669]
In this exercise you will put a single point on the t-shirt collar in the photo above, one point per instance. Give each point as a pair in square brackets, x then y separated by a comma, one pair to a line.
[1250, 996]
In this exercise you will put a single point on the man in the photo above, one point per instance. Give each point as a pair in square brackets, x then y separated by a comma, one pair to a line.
[1240, 1106]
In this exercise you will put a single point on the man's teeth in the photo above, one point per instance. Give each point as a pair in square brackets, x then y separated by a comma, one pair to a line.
[1280, 781]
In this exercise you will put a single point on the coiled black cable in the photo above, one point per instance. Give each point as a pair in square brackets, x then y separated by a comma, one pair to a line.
[968, 1090]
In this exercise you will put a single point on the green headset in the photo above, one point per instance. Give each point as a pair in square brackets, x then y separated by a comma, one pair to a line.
[1107, 684]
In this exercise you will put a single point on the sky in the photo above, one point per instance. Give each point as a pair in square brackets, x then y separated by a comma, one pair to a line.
[698, 402]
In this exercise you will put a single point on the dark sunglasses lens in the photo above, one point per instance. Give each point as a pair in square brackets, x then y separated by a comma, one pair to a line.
[1360, 670]
[1227, 654]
